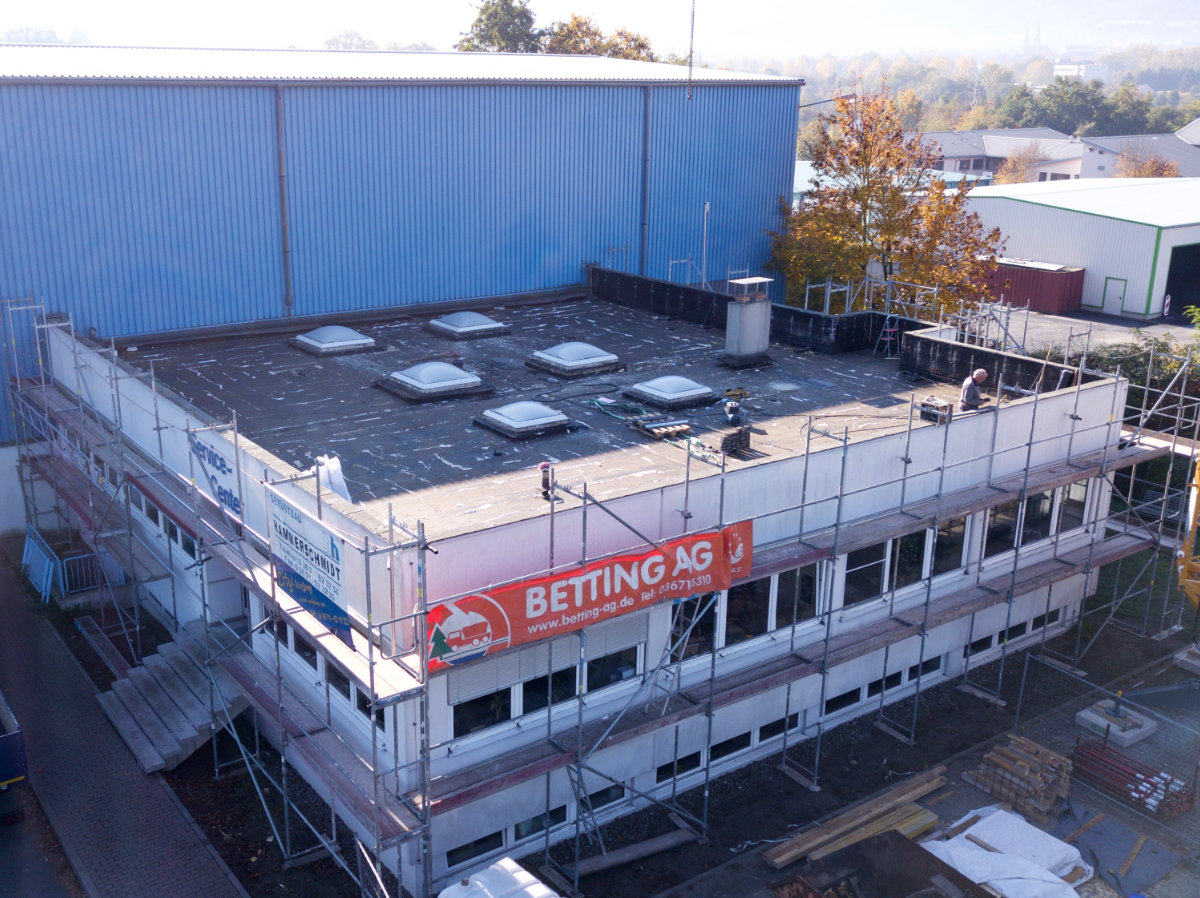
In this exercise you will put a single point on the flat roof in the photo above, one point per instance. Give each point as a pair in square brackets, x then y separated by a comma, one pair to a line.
[1160, 202]
[67, 62]
[435, 465]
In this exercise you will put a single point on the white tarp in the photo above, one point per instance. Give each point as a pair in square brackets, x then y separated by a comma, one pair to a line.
[503, 879]
[1027, 863]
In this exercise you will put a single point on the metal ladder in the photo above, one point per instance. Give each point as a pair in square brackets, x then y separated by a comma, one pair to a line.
[889, 338]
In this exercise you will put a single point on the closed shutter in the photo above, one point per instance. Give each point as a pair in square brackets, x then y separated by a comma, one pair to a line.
[483, 678]
[616, 635]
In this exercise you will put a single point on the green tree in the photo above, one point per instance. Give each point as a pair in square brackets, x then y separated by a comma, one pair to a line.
[580, 35]
[350, 40]
[502, 26]
[1071, 106]
[1125, 111]
[1018, 109]
[577, 36]
[876, 196]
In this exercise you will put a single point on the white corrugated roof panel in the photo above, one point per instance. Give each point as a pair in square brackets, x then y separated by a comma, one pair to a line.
[73, 62]
[1161, 202]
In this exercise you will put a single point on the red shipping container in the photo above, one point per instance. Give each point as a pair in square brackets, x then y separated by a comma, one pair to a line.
[1046, 286]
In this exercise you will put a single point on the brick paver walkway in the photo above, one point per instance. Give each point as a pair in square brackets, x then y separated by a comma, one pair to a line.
[125, 832]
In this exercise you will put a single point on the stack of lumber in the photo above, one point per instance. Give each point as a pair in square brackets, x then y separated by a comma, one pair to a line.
[893, 809]
[1030, 777]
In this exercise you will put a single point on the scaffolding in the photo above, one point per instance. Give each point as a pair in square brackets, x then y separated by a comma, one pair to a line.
[90, 463]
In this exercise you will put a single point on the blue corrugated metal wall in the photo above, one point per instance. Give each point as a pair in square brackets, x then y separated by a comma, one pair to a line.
[139, 208]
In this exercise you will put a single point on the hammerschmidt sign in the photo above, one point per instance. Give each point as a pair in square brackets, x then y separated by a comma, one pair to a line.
[474, 626]
[308, 565]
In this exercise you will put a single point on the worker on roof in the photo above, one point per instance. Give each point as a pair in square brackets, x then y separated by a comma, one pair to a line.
[971, 399]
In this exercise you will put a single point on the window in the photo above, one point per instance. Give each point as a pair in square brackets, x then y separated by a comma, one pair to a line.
[891, 681]
[778, 727]
[338, 681]
[188, 544]
[948, 546]
[979, 645]
[472, 850]
[796, 595]
[364, 705]
[612, 668]
[1044, 620]
[305, 648]
[171, 530]
[613, 793]
[1016, 631]
[845, 700]
[535, 825]
[926, 667]
[748, 610]
[152, 513]
[674, 768]
[700, 639]
[1042, 176]
[1073, 503]
[277, 627]
[1001, 528]
[480, 713]
[864, 574]
[728, 747]
[135, 496]
[1039, 517]
[907, 560]
[559, 686]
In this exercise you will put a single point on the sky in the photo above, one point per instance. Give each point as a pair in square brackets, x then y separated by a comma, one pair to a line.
[725, 29]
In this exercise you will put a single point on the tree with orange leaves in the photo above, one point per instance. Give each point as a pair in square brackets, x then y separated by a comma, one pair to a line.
[877, 194]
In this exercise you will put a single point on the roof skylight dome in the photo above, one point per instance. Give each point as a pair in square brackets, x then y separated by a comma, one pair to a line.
[671, 391]
[524, 419]
[466, 326]
[333, 339]
[432, 380]
[574, 359]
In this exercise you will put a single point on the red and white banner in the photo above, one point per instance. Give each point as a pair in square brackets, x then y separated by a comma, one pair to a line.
[477, 625]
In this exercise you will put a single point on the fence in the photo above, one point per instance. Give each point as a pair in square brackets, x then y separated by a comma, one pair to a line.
[1151, 779]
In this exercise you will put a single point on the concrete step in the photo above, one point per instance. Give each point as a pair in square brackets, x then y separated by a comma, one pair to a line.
[188, 736]
[136, 740]
[148, 720]
[192, 671]
[193, 711]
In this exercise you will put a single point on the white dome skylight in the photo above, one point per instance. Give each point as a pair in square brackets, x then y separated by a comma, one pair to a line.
[574, 359]
[466, 325]
[332, 339]
[525, 418]
[671, 391]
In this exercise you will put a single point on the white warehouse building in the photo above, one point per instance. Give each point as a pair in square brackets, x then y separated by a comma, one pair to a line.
[473, 655]
[1137, 239]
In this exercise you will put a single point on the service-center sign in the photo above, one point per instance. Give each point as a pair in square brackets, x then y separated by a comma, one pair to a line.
[308, 565]
[474, 626]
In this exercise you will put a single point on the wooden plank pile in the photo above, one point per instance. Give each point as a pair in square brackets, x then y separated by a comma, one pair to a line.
[1030, 777]
[893, 810]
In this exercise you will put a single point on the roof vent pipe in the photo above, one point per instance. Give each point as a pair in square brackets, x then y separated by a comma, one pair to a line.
[748, 322]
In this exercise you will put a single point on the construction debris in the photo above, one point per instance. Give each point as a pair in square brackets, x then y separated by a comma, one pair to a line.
[1153, 791]
[1033, 779]
[893, 810]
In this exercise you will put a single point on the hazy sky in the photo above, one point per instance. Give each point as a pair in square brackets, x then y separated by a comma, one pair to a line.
[766, 29]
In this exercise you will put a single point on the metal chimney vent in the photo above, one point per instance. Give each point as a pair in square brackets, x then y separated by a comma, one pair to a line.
[574, 360]
[333, 339]
[524, 419]
[466, 326]
[432, 380]
[671, 391]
